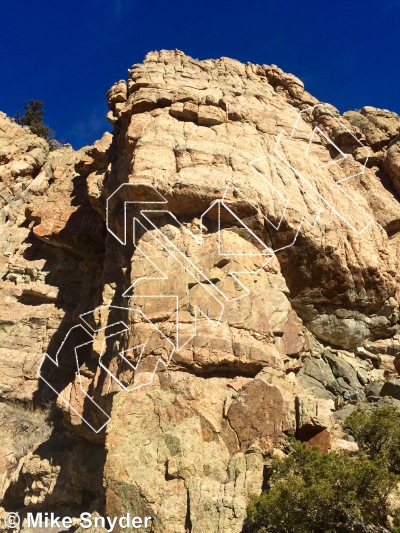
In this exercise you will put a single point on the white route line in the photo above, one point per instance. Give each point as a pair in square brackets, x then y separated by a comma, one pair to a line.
[55, 360]
[59, 394]
[161, 200]
[337, 183]
[304, 219]
[179, 256]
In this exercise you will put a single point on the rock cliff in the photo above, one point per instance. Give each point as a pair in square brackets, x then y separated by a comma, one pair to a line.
[215, 273]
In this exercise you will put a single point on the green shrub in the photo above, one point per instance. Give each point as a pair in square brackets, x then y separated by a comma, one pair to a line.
[377, 432]
[312, 492]
[33, 118]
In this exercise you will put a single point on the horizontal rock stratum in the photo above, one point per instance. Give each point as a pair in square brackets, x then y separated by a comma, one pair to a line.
[213, 274]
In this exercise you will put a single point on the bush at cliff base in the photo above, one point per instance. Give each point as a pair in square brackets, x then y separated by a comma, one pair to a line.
[312, 492]
[377, 432]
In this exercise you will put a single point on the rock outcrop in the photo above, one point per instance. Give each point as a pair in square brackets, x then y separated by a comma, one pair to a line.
[213, 275]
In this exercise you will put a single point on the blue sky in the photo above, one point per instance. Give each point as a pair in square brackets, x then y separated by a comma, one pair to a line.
[69, 53]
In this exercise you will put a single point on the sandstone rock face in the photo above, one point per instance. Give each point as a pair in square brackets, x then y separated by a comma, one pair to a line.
[216, 273]
[182, 452]
[43, 281]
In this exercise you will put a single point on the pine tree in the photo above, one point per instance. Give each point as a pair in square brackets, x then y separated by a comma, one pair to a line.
[33, 118]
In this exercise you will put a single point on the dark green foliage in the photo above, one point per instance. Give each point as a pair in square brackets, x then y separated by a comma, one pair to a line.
[312, 492]
[377, 432]
[33, 118]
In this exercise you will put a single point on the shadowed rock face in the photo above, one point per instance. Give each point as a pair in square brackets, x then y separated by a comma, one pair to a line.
[262, 343]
